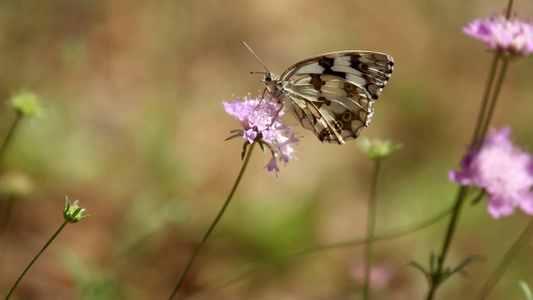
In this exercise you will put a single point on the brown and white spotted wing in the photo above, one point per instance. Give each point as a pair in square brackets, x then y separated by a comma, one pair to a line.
[335, 109]
[333, 94]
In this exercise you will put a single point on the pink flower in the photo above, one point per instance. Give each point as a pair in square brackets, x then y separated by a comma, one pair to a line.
[380, 275]
[512, 36]
[502, 170]
[261, 120]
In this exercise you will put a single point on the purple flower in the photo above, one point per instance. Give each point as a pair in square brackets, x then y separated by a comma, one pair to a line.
[502, 170]
[272, 165]
[512, 35]
[261, 120]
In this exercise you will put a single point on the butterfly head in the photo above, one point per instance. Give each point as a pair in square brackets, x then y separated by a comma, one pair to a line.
[272, 83]
[268, 78]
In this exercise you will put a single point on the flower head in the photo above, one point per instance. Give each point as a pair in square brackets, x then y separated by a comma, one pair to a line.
[378, 149]
[26, 103]
[512, 36]
[261, 121]
[502, 170]
[72, 212]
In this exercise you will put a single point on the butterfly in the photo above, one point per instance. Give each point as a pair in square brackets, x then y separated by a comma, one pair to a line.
[332, 94]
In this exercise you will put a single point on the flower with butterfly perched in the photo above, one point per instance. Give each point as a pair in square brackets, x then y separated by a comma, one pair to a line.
[261, 119]
[510, 36]
[503, 171]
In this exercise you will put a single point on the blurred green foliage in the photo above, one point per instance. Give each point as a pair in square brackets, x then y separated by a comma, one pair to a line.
[134, 124]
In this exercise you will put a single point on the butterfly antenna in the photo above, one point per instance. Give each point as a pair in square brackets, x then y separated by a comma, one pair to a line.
[257, 57]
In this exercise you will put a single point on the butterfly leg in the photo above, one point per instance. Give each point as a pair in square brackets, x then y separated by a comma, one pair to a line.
[263, 96]
[277, 114]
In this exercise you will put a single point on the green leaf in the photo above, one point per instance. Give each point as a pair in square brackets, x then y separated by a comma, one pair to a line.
[460, 268]
[418, 266]
[262, 145]
[478, 197]
[244, 148]
[234, 136]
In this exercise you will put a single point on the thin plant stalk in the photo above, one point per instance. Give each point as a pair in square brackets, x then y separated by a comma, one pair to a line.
[494, 98]
[485, 99]
[5, 219]
[215, 221]
[509, 8]
[371, 223]
[495, 276]
[436, 280]
[477, 138]
[10, 133]
[35, 259]
[247, 269]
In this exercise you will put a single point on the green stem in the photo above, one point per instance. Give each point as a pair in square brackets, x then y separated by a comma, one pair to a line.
[436, 279]
[508, 11]
[478, 137]
[220, 213]
[245, 270]
[483, 121]
[9, 135]
[371, 223]
[34, 259]
[494, 98]
[504, 263]
[485, 99]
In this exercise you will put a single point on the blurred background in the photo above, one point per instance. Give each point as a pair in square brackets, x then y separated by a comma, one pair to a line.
[134, 128]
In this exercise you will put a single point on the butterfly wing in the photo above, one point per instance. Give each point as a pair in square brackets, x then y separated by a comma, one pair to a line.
[336, 110]
[333, 94]
[365, 69]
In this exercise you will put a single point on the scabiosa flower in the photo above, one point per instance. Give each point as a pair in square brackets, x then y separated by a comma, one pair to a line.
[261, 120]
[512, 36]
[502, 170]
